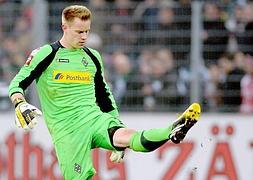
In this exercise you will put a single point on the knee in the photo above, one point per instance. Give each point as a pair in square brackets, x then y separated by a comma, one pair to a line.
[122, 136]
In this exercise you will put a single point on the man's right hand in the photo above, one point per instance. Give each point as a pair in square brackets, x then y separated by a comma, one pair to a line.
[26, 114]
[117, 156]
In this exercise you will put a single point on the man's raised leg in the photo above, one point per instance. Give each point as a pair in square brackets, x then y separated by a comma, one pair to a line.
[149, 140]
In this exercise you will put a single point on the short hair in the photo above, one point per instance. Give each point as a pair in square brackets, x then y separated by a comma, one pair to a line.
[78, 11]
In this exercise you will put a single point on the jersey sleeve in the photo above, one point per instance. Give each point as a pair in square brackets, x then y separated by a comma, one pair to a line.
[115, 111]
[28, 71]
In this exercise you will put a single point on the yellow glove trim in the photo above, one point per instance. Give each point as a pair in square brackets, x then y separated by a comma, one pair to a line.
[20, 116]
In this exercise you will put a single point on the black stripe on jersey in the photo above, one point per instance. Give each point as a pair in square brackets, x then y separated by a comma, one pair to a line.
[102, 96]
[42, 66]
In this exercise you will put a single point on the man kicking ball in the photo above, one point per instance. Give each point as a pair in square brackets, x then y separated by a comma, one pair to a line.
[78, 107]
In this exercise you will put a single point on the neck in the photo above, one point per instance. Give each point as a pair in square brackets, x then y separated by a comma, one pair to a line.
[65, 44]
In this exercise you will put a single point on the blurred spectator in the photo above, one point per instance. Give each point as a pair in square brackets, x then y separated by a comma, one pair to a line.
[159, 78]
[183, 8]
[123, 8]
[172, 33]
[215, 34]
[166, 27]
[161, 27]
[94, 41]
[231, 97]
[15, 35]
[145, 72]
[212, 90]
[118, 37]
[22, 32]
[121, 69]
[239, 60]
[247, 86]
[145, 13]
[245, 35]
[169, 94]
[119, 26]
[98, 7]
[15, 47]
[13, 58]
[144, 61]
[165, 18]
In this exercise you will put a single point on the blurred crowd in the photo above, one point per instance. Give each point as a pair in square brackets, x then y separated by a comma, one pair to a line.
[146, 47]
[15, 38]
[228, 56]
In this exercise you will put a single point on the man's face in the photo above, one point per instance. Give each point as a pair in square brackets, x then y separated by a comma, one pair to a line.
[76, 32]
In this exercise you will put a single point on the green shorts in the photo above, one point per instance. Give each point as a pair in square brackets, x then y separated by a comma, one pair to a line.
[74, 151]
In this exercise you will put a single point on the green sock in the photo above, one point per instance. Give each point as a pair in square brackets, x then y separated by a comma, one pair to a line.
[149, 140]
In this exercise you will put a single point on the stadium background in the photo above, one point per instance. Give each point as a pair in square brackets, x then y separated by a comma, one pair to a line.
[159, 55]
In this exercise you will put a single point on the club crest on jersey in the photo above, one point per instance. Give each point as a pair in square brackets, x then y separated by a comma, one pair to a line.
[85, 62]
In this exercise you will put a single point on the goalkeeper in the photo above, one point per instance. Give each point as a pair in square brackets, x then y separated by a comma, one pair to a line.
[78, 107]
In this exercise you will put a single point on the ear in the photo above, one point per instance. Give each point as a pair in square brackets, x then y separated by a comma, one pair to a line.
[64, 26]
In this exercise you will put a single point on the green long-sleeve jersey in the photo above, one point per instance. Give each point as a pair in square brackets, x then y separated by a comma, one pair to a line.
[70, 84]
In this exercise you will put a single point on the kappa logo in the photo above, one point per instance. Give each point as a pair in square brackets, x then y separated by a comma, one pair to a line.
[58, 76]
[63, 60]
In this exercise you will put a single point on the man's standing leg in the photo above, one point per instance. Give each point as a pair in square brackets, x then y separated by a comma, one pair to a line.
[74, 154]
